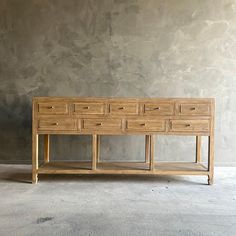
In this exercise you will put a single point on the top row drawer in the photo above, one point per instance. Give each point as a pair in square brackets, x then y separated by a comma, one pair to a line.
[54, 108]
[195, 109]
[124, 108]
[99, 108]
[89, 108]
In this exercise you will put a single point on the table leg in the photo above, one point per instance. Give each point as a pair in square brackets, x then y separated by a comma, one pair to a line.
[198, 149]
[95, 149]
[210, 159]
[98, 148]
[147, 148]
[151, 165]
[46, 147]
[34, 158]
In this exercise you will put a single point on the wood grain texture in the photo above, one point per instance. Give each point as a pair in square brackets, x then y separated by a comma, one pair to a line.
[95, 152]
[98, 148]
[198, 148]
[34, 158]
[211, 146]
[147, 148]
[151, 153]
[176, 168]
[46, 147]
[124, 116]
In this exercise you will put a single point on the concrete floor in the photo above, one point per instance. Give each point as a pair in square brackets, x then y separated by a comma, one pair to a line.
[116, 205]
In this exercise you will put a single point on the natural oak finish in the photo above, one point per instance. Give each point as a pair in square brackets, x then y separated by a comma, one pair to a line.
[101, 124]
[46, 147]
[98, 147]
[156, 108]
[95, 151]
[149, 117]
[135, 168]
[151, 153]
[123, 108]
[144, 125]
[88, 108]
[55, 108]
[62, 124]
[190, 125]
[198, 148]
[147, 148]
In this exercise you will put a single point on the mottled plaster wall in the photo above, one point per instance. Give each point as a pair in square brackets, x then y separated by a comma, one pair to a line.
[135, 48]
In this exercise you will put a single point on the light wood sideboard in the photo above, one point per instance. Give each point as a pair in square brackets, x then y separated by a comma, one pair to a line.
[123, 116]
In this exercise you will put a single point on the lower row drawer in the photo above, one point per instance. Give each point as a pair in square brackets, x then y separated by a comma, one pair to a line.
[189, 125]
[57, 124]
[140, 125]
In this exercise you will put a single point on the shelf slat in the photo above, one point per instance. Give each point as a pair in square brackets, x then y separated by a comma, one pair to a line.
[162, 168]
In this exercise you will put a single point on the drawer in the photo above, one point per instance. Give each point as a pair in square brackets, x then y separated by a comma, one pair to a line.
[146, 125]
[123, 108]
[158, 109]
[53, 108]
[102, 124]
[195, 109]
[57, 124]
[89, 108]
[190, 125]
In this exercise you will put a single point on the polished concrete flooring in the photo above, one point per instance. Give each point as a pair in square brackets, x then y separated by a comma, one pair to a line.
[116, 205]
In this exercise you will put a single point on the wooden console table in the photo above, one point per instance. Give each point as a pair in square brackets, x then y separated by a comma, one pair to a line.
[123, 116]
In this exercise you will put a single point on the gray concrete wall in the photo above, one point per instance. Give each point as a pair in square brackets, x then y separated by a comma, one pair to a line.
[135, 48]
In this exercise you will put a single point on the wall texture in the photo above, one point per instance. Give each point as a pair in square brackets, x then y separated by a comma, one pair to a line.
[135, 48]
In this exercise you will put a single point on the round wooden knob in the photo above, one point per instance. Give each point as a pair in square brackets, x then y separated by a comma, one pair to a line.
[52, 107]
[99, 124]
[56, 123]
[121, 108]
[188, 125]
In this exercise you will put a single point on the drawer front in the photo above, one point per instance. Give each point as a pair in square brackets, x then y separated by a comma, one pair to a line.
[146, 125]
[123, 108]
[102, 124]
[53, 108]
[195, 109]
[158, 109]
[190, 125]
[57, 124]
[89, 108]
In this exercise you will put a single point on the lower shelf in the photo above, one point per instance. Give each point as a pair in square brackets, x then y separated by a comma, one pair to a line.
[161, 168]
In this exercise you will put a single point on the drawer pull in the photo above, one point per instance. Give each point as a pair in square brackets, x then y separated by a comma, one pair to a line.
[121, 108]
[193, 108]
[86, 107]
[143, 124]
[99, 124]
[152, 109]
[51, 107]
[56, 123]
[188, 125]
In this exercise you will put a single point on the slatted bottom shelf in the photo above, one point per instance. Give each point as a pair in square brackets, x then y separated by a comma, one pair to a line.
[164, 168]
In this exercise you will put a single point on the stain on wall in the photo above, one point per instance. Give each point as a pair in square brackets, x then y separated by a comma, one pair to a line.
[135, 48]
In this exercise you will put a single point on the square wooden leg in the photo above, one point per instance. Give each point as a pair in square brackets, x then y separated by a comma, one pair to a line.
[98, 148]
[211, 159]
[151, 165]
[46, 147]
[147, 148]
[95, 149]
[35, 158]
[198, 148]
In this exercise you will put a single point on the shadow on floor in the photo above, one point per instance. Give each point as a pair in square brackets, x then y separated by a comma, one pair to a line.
[19, 175]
